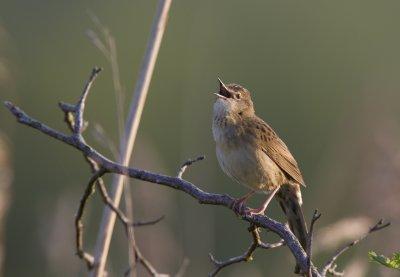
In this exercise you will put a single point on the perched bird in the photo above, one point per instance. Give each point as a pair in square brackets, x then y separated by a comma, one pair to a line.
[251, 153]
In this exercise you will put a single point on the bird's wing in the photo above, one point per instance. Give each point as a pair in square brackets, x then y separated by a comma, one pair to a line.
[277, 151]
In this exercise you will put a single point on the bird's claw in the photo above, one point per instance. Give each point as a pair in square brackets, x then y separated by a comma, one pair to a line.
[252, 211]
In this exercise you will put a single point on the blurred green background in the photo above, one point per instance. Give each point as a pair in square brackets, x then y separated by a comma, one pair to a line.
[324, 74]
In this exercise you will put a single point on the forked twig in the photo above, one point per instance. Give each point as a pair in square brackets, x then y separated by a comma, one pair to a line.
[77, 110]
[127, 224]
[330, 264]
[246, 256]
[71, 117]
[188, 163]
[315, 217]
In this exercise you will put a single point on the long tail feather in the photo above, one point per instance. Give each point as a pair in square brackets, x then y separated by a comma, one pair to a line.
[289, 197]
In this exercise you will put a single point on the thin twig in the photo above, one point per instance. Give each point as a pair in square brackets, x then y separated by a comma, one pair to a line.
[188, 163]
[108, 201]
[70, 119]
[120, 214]
[127, 225]
[80, 107]
[78, 219]
[147, 266]
[149, 222]
[132, 124]
[246, 256]
[314, 219]
[330, 264]
[127, 222]
[77, 110]
[74, 113]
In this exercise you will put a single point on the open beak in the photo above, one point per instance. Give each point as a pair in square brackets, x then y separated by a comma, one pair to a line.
[223, 93]
[220, 96]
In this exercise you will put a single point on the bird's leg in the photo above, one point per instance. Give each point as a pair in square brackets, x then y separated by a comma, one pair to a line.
[264, 206]
[238, 203]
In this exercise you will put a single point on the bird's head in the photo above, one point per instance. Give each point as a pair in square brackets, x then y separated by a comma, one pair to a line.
[233, 100]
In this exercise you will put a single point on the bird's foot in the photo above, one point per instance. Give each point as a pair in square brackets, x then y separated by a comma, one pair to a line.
[264, 206]
[256, 211]
[237, 205]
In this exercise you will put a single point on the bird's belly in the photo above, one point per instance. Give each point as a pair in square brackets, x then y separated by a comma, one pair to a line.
[250, 167]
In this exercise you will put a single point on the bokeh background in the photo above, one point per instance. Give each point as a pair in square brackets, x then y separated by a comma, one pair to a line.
[324, 74]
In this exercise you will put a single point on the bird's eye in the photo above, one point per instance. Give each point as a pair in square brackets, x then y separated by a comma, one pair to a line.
[237, 96]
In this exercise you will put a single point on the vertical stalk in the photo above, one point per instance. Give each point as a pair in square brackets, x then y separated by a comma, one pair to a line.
[128, 139]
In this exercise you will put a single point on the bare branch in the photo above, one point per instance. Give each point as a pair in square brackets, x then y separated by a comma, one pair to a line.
[80, 106]
[120, 214]
[188, 163]
[71, 121]
[147, 265]
[101, 165]
[314, 219]
[78, 109]
[127, 225]
[78, 219]
[330, 264]
[108, 201]
[246, 256]
[173, 182]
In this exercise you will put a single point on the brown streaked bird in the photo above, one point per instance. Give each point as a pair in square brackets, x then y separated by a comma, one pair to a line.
[251, 153]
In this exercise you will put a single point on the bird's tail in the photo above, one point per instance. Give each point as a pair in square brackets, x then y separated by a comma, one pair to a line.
[289, 197]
